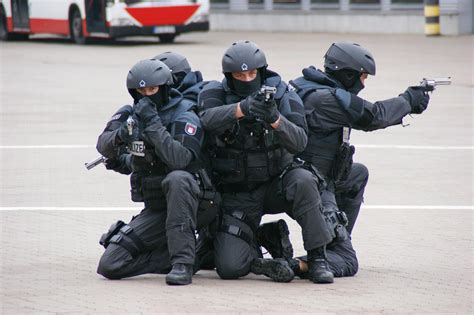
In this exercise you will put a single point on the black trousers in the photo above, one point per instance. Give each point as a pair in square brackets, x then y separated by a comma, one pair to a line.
[342, 259]
[166, 229]
[349, 194]
[296, 194]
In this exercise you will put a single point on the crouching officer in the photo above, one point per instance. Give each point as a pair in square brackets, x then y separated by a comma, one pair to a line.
[332, 110]
[187, 82]
[252, 134]
[164, 137]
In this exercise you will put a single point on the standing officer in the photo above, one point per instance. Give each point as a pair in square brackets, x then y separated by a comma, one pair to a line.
[187, 82]
[332, 110]
[251, 139]
[164, 137]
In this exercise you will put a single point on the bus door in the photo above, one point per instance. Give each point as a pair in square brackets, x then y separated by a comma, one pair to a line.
[95, 16]
[20, 15]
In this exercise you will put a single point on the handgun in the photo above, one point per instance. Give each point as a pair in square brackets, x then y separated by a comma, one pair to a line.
[268, 92]
[130, 125]
[430, 84]
[92, 164]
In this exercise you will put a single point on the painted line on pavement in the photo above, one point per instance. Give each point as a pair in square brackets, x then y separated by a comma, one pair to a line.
[388, 207]
[365, 146]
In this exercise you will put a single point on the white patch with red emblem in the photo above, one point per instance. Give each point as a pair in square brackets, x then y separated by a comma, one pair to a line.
[190, 129]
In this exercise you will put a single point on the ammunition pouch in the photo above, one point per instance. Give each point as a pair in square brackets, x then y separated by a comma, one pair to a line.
[136, 187]
[343, 162]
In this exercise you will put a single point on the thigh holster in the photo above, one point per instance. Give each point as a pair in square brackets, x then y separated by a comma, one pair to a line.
[237, 231]
[123, 235]
[337, 222]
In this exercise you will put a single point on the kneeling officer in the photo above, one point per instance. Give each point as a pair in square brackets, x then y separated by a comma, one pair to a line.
[164, 137]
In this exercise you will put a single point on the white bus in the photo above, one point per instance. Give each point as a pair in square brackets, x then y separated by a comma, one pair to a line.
[84, 19]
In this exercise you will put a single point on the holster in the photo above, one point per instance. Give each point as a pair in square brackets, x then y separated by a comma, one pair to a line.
[337, 222]
[343, 162]
[209, 200]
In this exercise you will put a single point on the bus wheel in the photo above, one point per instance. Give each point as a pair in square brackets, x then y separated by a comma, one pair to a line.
[3, 26]
[77, 33]
[167, 38]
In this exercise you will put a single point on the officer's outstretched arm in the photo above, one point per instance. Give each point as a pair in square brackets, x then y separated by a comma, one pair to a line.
[382, 114]
[109, 141]
[181, 145]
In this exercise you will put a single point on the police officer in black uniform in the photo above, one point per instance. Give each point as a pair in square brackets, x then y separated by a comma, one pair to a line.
[251, 138]
[187, 82]
[164, 136]
[332, 110]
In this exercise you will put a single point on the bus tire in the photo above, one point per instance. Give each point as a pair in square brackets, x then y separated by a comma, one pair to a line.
[77, 32]
[4, 35]
[167, 38]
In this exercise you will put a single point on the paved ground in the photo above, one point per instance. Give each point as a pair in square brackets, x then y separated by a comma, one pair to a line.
[414, 236]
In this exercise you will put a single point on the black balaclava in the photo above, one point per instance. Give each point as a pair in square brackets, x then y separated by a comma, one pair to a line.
[350, 79]
[244, 88]
[178, 78]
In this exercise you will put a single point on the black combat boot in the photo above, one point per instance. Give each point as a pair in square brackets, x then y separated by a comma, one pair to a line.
[180, 274]
[276, 269]
[274, 236]
[318, 266]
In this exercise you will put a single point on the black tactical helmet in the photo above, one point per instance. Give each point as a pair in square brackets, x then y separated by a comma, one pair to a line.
[243, 56]
[349, 56]
[148, 73]
[176, 62]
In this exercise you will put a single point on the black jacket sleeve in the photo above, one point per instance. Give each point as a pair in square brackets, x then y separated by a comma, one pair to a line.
[179, 146]
[292, 130]
[331, 109]
[108, 144]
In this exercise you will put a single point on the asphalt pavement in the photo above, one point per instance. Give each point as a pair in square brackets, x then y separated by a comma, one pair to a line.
[414, 236]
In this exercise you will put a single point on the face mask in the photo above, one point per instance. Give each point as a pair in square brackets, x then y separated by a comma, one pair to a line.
[356, 87]
[245, 88]
[157, 99]
[178, 79]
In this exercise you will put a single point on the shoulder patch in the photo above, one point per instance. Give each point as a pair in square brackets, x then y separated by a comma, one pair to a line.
[190, 129]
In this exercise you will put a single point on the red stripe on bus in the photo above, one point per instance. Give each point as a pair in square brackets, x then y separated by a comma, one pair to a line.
[9, 24]
[176, 15]
[51, 26]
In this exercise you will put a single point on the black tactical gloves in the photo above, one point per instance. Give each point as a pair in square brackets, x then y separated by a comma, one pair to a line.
[124, 134]
[417, 97]
[266, 111]
[146, 111]
[246, 103]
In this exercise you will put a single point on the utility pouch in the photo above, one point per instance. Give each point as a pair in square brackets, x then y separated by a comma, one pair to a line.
[229, 165]
[136, 187]
[151, 187]
[343, 162]
[114, 229]
[257, 167]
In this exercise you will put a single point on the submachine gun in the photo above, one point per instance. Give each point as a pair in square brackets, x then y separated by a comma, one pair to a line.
[430, 84]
